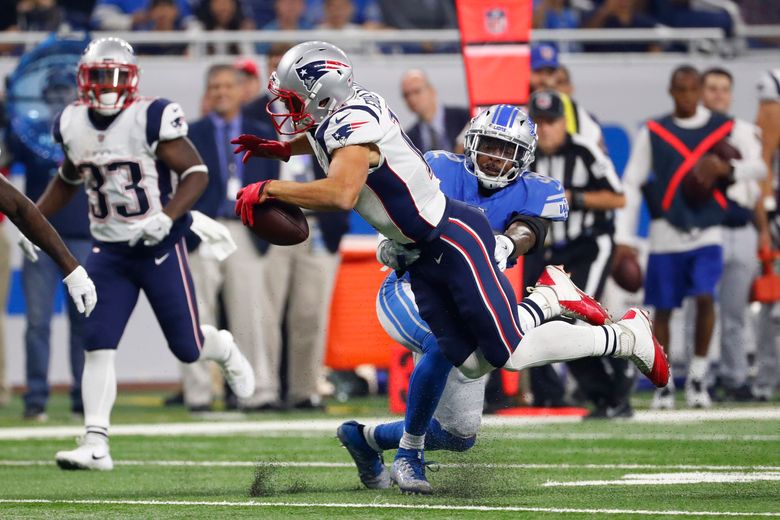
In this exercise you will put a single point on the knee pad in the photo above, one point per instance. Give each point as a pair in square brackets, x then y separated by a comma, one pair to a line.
[437, 438]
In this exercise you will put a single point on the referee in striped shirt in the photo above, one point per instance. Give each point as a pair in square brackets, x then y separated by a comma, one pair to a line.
[583, 244]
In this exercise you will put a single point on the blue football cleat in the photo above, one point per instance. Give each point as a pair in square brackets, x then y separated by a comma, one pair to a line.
[409, 472]
[371, 468]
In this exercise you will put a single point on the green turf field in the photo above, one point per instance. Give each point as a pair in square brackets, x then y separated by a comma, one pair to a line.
[296, 464]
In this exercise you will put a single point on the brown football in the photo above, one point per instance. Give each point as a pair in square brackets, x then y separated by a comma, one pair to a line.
[280, 223]
[698, 185]
[725, 151]
[627, 273]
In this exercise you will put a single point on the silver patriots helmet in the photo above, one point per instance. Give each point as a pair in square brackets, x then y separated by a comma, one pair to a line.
[108, 75]
[312, 80]
[504, 138]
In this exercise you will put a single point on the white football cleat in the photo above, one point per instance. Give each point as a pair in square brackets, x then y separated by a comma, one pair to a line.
[89, 455]
[236, 369]
[574, 302]
[646, 353]
[696, 395]
[663, 398]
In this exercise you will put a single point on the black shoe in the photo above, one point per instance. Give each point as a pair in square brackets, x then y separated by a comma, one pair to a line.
[265, 407]
[176, 399]
[35, 413]
[741, 393]
[621, 411]
[199, 408]
[309, 404]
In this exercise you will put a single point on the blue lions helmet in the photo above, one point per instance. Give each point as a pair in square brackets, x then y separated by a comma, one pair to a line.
[500, 143]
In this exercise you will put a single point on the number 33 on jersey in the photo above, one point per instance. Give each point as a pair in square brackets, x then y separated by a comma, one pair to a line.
[124, 180]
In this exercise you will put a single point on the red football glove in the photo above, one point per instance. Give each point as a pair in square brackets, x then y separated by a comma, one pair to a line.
[247, 198]
[251, 145]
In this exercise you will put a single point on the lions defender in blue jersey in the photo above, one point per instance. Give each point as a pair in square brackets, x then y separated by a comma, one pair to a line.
[444, 405]
[459, 289]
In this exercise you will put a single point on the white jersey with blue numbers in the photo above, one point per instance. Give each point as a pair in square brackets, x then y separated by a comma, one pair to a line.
[401, 198]
[123, 178]
[531, 194]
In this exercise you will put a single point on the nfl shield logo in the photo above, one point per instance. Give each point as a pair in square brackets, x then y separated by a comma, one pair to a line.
[496, 21]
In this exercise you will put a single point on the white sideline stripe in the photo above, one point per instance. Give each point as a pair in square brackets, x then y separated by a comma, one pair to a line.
[699, 437]
[431, 507]
[324, 464]
[665, 479]
[308, 426]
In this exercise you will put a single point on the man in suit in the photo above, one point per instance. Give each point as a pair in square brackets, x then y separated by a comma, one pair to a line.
[438, 126]
[241, 277]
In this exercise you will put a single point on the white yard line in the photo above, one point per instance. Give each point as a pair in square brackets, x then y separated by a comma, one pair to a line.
[309, 427]
[374, 505]
[326, 464]
[666, 479]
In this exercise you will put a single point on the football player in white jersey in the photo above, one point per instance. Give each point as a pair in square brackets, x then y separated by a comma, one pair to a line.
[142, 176]
[459, 289]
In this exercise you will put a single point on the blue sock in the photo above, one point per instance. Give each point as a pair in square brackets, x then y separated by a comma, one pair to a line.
[439, 439]
[388, 435]
[425, 387]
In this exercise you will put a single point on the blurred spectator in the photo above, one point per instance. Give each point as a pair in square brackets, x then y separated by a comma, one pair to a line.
[620, 14]
[366, 13]
[418, 14]
[562, 81]
[39, 15]
[740, 238]
[686, 256]
[77, 13]
[337, 15]
[223, 15]
[544, 67]
[30, 145]
[256, 107]
[555, 14]
[241, 277]
[249, 81]
[583, 244]
[126, 15]
[288, 17]
[682, 13]
[767, 333]
[163, 16]
[437, 126]
[262, 11]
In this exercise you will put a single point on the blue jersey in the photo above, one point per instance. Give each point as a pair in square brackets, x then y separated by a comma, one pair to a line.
[531, 194]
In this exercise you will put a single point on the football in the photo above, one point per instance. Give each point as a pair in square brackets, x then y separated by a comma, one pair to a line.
[725, 151]
[280, 223]
[698, 185]
[627, 273]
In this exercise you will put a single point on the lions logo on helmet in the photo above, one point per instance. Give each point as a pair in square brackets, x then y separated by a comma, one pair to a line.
[311, 72]
[500, 143]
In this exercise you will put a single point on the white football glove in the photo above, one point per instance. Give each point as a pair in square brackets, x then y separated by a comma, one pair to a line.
[504, 249]
[81, 290]
[152, 230]
[29, 249]
[396, 256]
[216, 235]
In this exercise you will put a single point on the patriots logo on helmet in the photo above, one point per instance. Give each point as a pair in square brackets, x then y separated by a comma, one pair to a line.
[310, 73]
[342, 134]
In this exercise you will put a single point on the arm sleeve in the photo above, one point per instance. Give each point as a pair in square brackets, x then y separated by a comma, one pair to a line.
[350, 127]
[769, 86]
[635, 175]
[537, 225]
[746, 138]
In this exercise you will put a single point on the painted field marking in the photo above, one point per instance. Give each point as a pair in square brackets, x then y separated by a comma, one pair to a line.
[665, 479]
[587, 436]
[308, 427]
[334, 465]
[375, 505]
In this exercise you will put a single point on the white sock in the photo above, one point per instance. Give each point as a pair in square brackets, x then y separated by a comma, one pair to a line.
[698, 368]
[215, 344]
[368, 435]
[547, 300]
[412, 442]
[98, 391]
[613, 340]
[556, 341]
